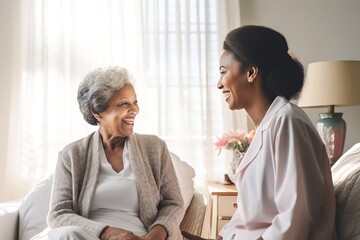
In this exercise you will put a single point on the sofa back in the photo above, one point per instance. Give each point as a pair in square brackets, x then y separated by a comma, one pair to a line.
[346, 179]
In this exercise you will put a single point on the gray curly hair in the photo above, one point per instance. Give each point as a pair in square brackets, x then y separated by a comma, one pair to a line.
[98, 87]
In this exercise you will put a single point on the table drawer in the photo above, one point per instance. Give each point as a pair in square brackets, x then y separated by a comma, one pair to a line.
[226, 207]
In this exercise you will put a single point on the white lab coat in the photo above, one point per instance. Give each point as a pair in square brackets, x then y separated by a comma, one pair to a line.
[284, 184]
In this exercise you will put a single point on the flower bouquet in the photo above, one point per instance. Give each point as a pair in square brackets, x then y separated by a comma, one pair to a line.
[238, 142]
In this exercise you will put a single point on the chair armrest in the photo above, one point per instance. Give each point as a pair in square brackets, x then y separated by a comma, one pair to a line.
[9, 219]
[194, 216]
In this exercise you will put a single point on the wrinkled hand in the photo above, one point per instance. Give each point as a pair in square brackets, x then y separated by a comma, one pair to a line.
[113, 233]
[156, 233]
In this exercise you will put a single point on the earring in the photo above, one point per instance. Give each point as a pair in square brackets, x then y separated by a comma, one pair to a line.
[250, 80]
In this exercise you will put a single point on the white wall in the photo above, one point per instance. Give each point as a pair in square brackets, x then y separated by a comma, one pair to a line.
[316, 31]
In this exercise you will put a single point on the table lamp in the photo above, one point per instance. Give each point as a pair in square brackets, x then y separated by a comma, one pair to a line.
[331, 83]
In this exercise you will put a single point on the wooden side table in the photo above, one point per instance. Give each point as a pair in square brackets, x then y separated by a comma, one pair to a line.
[222, 205]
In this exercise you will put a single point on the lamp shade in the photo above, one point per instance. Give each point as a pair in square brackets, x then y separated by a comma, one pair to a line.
[331, 83]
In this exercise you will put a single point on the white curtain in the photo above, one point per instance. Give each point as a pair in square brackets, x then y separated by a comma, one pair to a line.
[171, 47]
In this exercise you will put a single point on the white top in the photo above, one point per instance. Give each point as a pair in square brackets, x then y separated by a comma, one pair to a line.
[116, 198]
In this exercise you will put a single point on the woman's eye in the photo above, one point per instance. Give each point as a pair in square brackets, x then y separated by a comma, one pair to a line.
[127, 104]
[124, 104]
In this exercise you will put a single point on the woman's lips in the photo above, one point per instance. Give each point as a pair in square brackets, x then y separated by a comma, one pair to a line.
[226, 95]
[129, 121]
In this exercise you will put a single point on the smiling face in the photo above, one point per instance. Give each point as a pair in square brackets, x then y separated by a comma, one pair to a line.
[119, 117]
[234, 82]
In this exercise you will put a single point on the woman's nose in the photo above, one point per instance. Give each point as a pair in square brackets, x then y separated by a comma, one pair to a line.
[134, 109]
[219, 84]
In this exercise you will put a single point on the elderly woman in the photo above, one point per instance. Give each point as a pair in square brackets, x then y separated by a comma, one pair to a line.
[114, 184]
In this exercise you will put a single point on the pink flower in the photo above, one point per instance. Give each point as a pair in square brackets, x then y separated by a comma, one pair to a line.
[238, 141]
[222, 142]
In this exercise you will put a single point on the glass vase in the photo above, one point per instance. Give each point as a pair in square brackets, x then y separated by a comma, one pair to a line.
[235, 162]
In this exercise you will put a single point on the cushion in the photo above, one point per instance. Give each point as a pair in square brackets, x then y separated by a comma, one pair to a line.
[185, 174]
[35, 206]
[346, 179]
[34, 209]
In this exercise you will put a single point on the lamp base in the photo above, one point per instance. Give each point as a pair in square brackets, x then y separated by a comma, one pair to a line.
[332, 130]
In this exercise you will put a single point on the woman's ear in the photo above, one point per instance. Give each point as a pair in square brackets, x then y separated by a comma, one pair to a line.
[97, 116]
[252, 73]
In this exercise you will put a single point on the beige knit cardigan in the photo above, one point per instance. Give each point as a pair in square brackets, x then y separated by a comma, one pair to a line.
[77, 173]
